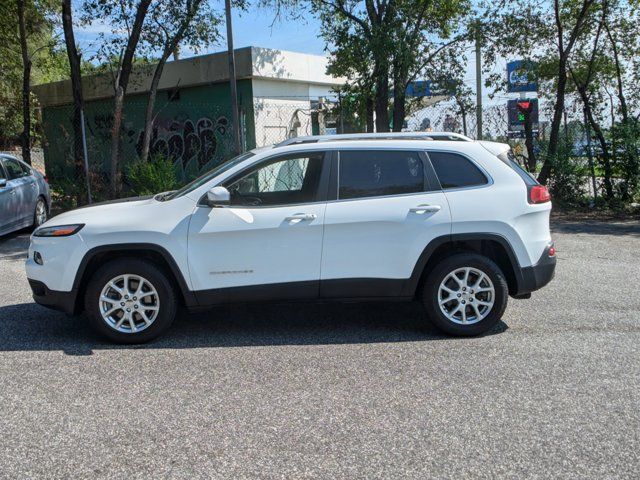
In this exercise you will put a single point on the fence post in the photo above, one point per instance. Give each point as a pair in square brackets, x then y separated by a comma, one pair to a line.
[86, 158]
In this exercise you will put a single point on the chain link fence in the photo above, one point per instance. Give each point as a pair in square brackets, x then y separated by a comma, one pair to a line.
[195, 137]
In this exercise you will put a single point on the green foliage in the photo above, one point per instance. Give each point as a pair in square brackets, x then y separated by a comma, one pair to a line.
[626, 147]
[48, 61]
[148, 178]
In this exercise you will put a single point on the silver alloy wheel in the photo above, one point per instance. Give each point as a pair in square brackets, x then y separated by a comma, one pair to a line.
[466, 296]
[129, 303]
[41, 212]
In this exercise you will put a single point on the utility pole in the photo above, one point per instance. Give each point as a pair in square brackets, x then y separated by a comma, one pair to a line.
[478, 84]
[235, 117]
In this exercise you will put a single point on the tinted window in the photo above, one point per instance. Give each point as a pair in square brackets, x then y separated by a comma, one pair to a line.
[2, 174]
[526, 176]
[289, 180]
[456, 171]
[14, 169]
[370, 173]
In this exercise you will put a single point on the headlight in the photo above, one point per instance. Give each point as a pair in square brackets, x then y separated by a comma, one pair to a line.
[59, 231]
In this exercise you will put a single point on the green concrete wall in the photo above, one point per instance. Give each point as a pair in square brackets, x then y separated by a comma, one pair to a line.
[194, 130]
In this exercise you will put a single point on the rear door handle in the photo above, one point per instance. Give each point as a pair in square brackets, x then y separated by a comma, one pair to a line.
[301, 216]
[426, 209]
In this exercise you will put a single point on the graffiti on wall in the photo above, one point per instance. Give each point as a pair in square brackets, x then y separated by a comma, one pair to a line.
[193, 144]
[184, 140]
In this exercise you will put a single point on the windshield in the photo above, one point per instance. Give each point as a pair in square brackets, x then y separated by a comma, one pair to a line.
[201, 180]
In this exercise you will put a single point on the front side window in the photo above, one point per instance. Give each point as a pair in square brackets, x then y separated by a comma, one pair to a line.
[283, 181]
[375, 173]
[456, 171]
[14, 169]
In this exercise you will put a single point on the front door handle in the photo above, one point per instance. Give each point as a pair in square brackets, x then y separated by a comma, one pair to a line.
[301, 216]
[426, 209]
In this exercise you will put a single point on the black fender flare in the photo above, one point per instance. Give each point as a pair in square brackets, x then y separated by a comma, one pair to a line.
[411, 284]
[187, 294]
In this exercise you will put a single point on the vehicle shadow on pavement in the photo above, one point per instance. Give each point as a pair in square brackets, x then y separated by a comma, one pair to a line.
[29, 326]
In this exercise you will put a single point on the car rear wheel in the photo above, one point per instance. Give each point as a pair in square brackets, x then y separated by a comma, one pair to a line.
[130, 301]
[465, 294]
[40, 213]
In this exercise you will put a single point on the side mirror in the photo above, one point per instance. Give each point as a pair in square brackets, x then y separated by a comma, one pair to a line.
[218, 197]
[3, 182]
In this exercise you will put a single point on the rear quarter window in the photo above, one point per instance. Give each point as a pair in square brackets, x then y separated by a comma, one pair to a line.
[456, 171]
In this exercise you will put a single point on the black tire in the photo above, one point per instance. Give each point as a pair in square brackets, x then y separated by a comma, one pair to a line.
[142, 268]
[37, 219]
[430, 294]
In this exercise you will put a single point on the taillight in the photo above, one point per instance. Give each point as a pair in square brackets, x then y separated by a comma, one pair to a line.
[539, 194]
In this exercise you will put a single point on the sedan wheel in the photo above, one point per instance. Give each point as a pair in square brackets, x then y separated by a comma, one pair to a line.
[40, 215]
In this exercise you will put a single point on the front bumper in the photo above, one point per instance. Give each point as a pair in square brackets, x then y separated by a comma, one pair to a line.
[537, 276]
[63, 301]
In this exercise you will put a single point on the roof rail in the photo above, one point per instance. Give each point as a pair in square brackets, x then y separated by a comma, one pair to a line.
[375, 136]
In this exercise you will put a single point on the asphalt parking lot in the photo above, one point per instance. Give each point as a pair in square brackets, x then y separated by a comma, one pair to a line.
[336, 391]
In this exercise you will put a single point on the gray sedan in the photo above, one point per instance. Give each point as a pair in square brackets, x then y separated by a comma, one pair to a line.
[24, 195]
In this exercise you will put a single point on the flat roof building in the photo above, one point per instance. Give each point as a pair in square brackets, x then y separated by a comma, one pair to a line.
[280, 94]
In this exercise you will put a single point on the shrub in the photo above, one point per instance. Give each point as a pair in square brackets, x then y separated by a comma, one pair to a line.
[148, 178]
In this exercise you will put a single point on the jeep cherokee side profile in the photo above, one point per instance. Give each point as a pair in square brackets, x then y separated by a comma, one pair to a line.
[451, 222]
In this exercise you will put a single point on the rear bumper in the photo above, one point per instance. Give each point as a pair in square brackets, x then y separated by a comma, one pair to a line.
[63, 301]
[537, 276]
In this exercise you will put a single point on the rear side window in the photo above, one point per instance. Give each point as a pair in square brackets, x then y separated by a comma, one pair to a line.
[455, 171]
[375, 173]
[14, 169]
[526, 176]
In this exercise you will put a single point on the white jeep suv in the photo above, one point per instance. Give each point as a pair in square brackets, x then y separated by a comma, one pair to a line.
[451, 222]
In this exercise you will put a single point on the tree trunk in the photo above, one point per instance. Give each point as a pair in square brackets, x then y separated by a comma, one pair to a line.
[369, 106]
[124, 72]
[172, 46]
[606, 159]
[25, 137]
[554, 135]
[616, 59]
[76, 88]
[382, 102]
[114, 173]
[149, 119]
[528, 140]
[399, 109]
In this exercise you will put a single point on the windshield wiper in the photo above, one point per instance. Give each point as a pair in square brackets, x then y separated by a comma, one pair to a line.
[161, 197]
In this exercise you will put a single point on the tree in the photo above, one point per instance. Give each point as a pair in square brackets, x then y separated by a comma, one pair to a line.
[172, 23]
[75, 62]
[382, 46]
[127, 16]
[26, 39]
[524, 28]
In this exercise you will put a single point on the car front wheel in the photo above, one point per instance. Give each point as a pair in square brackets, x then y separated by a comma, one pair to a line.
[465, 294]
[130, 301]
